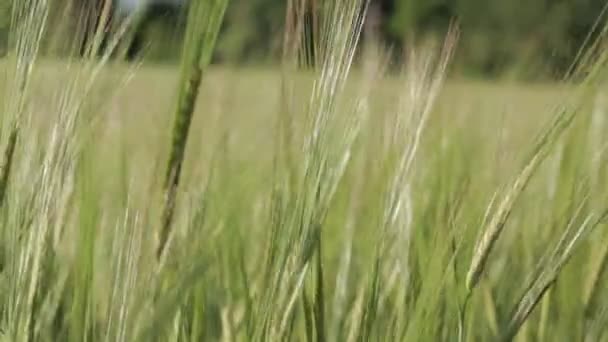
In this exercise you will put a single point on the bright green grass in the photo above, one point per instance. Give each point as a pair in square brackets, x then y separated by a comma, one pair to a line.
[325, 205]
[475, 141]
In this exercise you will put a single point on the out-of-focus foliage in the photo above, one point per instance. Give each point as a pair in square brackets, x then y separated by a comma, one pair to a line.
[530, 38]
[5, 16]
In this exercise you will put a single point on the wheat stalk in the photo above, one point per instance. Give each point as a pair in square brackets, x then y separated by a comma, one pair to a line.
[498, 220]
[204, 21]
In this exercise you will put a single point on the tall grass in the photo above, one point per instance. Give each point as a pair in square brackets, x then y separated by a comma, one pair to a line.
[369, 209]
[204, 21]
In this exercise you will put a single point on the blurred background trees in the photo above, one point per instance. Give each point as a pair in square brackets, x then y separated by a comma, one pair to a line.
[4, 24]
[527, 38]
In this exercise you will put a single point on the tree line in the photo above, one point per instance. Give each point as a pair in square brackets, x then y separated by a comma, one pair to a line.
[530, 38]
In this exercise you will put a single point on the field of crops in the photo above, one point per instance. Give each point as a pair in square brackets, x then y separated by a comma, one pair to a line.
[344, 202]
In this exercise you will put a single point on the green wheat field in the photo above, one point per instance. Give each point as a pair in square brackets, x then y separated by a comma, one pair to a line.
[345, 201]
